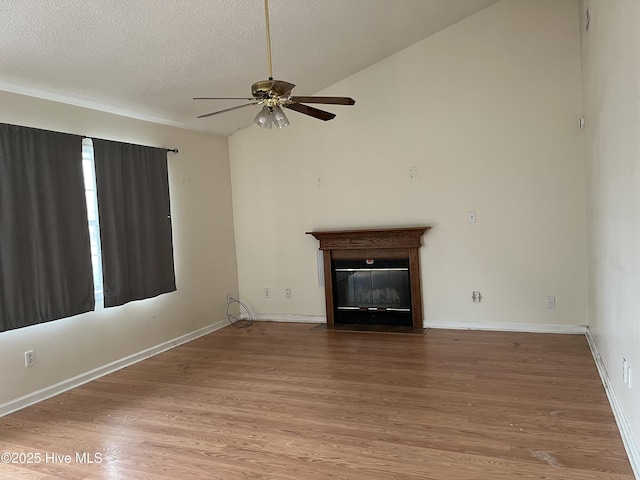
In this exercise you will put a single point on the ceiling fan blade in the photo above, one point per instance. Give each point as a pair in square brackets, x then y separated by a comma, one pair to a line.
[311, 111]
[223, 98]
[227, 110]
[327, 100]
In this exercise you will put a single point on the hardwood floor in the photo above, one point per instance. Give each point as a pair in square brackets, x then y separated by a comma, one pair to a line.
[290, 401]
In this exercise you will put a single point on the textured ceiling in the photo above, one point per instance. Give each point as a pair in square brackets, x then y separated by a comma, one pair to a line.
[148, 58]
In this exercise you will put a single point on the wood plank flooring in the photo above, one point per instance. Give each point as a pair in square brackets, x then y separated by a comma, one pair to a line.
[282, 401]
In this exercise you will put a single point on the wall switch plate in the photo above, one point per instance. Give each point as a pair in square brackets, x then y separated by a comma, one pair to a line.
[551, 302]
[471, 216]
[29, 358]
[287, 293]
[629, 376]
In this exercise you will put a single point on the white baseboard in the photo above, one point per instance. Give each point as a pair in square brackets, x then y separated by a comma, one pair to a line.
[630, 444]
[264, 317]
[508, 327]
[500, 327]
[53, 390]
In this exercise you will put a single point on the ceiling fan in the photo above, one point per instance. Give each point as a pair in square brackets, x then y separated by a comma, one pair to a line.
[275, 94]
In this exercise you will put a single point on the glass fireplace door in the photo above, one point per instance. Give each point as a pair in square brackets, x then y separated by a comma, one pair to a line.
[372, 291]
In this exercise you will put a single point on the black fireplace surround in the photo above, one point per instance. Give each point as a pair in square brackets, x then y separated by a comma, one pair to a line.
[372, 291]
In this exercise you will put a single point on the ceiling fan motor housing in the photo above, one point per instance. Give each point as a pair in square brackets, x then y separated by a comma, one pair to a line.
[271, 88]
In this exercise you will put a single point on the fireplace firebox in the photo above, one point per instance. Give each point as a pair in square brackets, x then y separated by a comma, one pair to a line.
[372, 291]
[372, 277]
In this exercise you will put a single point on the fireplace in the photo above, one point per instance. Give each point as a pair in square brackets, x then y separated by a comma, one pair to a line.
[372, 277]
[372, 291]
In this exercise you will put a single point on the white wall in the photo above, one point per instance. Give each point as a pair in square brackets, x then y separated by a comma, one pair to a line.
[199, 182]
[611, 73]
[487, 110]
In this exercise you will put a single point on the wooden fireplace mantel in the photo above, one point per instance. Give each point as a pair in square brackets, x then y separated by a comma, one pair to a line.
[373, 243]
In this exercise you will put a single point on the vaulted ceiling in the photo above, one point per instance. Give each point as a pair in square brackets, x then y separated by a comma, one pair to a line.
[148, 58]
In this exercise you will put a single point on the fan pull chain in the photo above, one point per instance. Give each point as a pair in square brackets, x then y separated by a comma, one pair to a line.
[266, 14]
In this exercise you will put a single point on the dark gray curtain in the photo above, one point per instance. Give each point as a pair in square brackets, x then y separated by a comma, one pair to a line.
[45, 257]
[135, 221]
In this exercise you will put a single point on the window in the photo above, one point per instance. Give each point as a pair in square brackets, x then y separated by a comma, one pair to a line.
[89, 171]
[55, 260]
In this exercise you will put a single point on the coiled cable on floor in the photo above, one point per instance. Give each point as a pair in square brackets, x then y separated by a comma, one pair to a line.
[239, 321]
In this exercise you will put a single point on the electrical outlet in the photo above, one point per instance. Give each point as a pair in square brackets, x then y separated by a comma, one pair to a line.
[476, 297]
[551, 302]
[287, 293]
[267, 293]
[625, 371]
[628, 376]
[29, 358]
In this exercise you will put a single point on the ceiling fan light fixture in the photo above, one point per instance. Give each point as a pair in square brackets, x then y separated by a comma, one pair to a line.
[264, 118]
[279, 118]
[274, 94]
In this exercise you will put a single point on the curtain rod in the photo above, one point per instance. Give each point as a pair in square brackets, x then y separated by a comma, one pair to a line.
[172, 150]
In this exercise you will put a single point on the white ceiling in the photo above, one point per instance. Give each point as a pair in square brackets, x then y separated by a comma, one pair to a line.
[148, 58]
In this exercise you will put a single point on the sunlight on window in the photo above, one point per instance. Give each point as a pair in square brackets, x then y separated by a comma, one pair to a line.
[88, 168]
